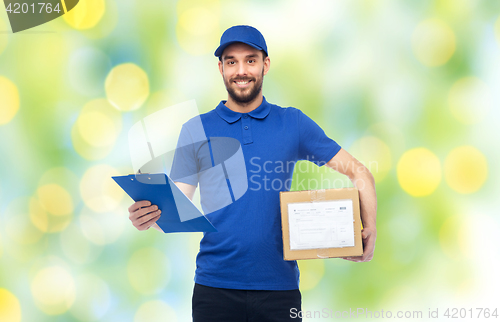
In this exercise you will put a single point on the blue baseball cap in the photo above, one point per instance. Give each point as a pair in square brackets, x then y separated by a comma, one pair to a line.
[244, 34]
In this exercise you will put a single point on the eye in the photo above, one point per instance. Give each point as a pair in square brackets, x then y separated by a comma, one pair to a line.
[251, 61]
[230, 62]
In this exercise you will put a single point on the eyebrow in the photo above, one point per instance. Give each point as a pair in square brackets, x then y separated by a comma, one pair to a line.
[247, 56]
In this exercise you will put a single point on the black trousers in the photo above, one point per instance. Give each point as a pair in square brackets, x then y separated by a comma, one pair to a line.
[221, 305]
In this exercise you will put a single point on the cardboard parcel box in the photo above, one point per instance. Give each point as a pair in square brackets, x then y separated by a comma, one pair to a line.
[321, 223]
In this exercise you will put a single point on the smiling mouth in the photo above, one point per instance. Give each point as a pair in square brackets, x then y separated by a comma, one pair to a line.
[242, 84]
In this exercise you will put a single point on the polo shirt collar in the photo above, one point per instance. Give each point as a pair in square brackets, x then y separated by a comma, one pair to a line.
[231, 116]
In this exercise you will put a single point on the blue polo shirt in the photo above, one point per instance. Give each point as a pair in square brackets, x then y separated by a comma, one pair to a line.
[247, 250]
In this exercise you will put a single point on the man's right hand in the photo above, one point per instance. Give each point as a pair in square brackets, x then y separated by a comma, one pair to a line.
[143, 215]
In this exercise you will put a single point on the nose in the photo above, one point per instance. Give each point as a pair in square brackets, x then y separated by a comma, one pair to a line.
[242, 70]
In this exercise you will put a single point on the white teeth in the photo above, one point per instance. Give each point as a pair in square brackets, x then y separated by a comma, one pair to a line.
[242, 83]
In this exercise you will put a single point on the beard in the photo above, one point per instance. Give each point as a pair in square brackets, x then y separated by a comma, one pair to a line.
[246, 95]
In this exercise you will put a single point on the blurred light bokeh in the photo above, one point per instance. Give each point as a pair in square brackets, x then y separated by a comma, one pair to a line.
[408, 87]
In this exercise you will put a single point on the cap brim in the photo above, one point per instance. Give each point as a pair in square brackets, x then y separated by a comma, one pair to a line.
[220, 49]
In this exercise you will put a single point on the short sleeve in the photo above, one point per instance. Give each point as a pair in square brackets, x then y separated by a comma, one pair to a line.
[185, 166]
[314, 144]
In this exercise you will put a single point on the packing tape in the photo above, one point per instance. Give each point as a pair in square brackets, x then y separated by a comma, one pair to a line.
[318, 195]
[323, 253]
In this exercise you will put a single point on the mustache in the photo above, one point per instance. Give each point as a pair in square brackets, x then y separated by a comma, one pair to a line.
[239, 79]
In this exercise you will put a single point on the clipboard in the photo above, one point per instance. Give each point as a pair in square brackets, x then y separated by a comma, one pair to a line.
[178, 213]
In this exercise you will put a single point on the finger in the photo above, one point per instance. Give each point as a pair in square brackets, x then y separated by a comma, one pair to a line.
[369, 246]
[147, 210]
[366, 259]
[144, 219]
[353, 258]
[368, 252]
[148, 223]
[139, 220]
[142, 212]
[139, 204]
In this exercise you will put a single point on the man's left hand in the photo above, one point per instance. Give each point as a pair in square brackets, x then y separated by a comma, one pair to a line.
[369, 236]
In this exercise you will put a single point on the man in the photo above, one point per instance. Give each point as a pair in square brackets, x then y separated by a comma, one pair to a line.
[241, 274]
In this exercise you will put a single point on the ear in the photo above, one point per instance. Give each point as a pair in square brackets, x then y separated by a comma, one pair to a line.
[221, 67]
[267, 64]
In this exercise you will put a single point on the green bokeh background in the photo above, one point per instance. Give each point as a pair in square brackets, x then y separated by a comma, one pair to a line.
[352, 66]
